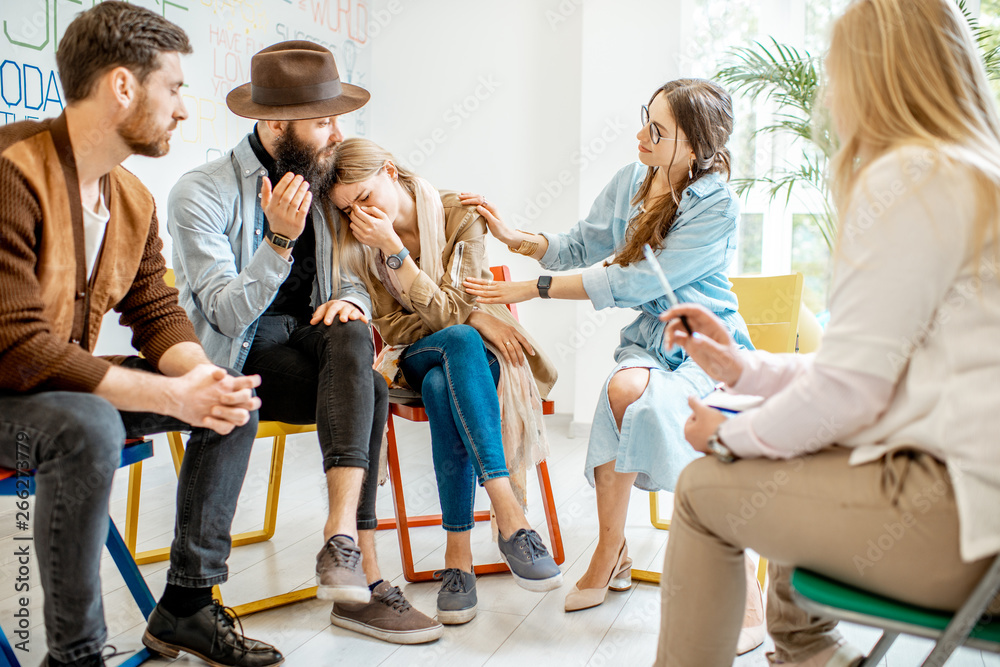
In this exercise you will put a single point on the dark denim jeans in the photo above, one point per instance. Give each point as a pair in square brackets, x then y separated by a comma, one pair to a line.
[323, 374]
[457, 378]
[74, 440]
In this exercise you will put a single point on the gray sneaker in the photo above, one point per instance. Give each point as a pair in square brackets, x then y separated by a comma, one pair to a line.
[387, 616]
[529, 561]
[457, 598]
[339, 575]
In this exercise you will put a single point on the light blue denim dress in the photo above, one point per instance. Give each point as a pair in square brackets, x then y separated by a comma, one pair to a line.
[697, 250]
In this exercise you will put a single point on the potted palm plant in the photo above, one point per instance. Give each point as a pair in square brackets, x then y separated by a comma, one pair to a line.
[791, 80]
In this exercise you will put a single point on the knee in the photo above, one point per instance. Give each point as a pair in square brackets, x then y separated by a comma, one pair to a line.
[461, 337]
[351, 335]
[626, 387]
[91, 431]
[434, 384]
[694, 477]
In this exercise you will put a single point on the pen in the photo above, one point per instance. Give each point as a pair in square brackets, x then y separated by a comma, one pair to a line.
[671, 297]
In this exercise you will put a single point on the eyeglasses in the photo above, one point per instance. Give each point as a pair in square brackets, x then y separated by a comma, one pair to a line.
[654, 131]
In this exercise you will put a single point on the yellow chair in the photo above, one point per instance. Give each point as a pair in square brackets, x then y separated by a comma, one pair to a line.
[770, 306]
[277, 431]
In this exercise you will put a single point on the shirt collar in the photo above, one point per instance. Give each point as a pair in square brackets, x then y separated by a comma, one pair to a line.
[261, 153]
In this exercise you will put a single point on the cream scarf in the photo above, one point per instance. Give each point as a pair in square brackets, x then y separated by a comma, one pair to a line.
[522, 429]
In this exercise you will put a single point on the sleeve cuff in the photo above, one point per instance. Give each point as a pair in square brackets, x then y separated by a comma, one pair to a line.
[549, 259]
[361, 305]
[598, 287]
[737, 434]
[422, 290]
[273, 267]
[751, 371]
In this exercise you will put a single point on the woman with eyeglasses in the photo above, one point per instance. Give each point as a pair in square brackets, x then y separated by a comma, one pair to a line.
[677, 200]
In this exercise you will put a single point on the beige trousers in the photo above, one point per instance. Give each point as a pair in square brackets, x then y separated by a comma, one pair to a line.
[890, 527]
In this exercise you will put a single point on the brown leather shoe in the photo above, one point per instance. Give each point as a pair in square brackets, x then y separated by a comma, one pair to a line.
[387, 616]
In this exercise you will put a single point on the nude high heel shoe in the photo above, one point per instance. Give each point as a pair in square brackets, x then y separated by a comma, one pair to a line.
[620, 580]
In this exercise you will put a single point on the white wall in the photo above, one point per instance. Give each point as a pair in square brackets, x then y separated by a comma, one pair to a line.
[531, 102]
[485, 97]
[224, 35]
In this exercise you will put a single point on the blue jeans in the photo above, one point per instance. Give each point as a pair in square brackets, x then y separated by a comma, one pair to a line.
[457, 377]
[74, 440]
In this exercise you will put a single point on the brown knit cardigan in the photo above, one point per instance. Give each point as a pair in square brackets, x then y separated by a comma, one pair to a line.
[50, 310]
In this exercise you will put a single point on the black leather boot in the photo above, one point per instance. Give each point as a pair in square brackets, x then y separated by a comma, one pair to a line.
[210, 634]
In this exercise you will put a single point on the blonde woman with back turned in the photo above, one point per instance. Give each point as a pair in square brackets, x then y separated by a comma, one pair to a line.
[889, 431]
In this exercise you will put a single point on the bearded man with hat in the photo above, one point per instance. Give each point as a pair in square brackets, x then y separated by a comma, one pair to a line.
[260, 274]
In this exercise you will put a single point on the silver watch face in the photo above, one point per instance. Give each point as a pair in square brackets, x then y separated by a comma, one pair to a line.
[393, 262]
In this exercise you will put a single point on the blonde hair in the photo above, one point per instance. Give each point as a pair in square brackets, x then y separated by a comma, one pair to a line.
[909, 72]
[356, 160]
[703, 110]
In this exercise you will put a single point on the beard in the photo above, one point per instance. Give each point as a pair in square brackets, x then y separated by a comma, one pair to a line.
[139, 132]
[294, 155]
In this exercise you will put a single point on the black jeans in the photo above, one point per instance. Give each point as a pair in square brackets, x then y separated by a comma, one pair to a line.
[75, 441]
[323, 374]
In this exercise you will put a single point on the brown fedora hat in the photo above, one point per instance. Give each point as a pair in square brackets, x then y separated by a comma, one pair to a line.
[294, 80]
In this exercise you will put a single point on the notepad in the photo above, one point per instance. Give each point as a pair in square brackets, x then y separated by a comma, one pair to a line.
[732, 403]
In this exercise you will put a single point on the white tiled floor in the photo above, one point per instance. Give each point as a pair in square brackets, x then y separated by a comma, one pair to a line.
[513, 627]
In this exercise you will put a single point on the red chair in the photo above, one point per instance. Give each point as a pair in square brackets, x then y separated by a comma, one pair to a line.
[414, 411]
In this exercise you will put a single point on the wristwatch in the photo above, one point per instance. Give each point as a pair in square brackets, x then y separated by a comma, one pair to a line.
[716, 446]
[396, 261]
[279, 240]
[544, 283]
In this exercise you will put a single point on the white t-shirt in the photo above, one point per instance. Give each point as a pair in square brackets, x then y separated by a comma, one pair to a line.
[94, 226]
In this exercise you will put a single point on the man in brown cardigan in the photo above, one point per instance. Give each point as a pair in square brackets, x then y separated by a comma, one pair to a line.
[79, 236]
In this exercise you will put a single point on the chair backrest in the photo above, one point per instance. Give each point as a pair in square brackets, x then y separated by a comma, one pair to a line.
[501, 274]
[770, 307]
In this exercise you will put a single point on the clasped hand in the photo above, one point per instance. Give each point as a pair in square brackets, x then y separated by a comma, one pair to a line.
[208, 396]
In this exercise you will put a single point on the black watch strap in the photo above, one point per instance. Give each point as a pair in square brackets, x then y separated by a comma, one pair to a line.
[279, 240]
[544, 283]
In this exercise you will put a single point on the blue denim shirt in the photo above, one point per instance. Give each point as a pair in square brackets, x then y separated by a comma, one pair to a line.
[697, 250]
[227, 275]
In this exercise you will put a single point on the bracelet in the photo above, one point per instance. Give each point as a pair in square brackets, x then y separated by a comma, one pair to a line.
[526, 248]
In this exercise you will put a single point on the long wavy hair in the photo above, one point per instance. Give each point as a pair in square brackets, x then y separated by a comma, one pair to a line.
[703, 110]
[355, 160]
[908, 72]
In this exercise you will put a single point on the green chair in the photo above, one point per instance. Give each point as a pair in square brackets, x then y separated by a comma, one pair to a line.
[970, 626]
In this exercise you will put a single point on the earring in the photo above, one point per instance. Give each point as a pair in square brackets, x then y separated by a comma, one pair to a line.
[690, 175]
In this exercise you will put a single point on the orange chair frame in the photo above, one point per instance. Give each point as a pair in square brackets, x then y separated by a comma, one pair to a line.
[403, 523]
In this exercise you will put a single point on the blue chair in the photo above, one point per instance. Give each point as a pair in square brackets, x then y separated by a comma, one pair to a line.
[12, 485]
